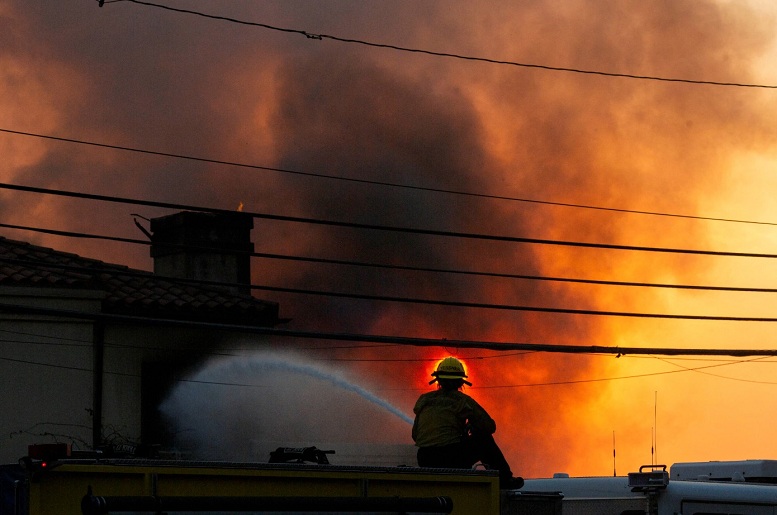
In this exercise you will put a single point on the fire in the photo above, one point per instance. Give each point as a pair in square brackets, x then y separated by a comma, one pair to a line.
[240, 207]
[521, 133]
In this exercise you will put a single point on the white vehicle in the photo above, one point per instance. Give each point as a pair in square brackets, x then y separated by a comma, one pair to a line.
[736, 487]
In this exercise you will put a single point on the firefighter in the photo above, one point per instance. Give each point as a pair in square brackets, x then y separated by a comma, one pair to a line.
[451, 430]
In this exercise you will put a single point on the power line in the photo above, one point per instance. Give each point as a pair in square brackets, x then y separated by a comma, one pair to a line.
[440, 302]
[461, 304]
[618, 378]
[411, 300]
[327, 261]
[316, 36]
[415, 360]
[486, 387]
[525, 385]
[60, 341]
[675, 358]
[85, 342]
[481, 387]
[358, 225]
[701, 371]
[381, 183]
[399, 340]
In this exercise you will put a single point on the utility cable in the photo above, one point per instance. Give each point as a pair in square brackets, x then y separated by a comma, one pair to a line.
[512, 307]
[61, 341]
[382, 183]
[352, 263]
[479, 387]
[364, 226]
[315, 36]
[457, 304]
[501, 354]
[700, 370]
[470, 305]
[553, 383]
[399, 340]
[604, 379]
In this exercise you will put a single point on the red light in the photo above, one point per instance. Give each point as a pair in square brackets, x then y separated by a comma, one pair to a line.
[44, 464]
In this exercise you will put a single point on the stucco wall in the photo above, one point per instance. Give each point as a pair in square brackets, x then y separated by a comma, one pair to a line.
[46, 371]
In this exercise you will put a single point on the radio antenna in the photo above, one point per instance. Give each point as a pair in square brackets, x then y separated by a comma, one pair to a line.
[655, 425]
[652, 445]
[614, 474]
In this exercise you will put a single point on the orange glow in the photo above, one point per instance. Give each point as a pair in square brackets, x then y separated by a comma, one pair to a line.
[631, 147]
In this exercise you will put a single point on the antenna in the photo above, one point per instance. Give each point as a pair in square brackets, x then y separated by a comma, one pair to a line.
[614, 474]
[655, 425]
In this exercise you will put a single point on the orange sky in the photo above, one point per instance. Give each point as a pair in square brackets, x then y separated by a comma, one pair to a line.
[137, 76]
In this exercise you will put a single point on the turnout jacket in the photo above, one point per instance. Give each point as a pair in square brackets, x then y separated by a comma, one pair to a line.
[445, 417]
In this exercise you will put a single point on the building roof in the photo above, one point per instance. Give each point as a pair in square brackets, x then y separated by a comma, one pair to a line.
[130, 291]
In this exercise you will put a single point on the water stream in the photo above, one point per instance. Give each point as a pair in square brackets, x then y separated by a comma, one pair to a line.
[259, 365]
[234, 402]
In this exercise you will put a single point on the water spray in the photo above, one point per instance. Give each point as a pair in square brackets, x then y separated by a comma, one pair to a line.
[274, 363]
[250, 400]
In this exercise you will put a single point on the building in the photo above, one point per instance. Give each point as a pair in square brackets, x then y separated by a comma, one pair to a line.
[88, 349]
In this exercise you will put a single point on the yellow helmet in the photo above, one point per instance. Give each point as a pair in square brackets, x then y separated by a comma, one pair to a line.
[450, 368]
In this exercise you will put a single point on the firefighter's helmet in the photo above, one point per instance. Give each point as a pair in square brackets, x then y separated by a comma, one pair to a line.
[450, 368]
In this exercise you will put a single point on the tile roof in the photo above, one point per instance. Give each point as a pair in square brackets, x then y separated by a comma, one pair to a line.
[129, 291]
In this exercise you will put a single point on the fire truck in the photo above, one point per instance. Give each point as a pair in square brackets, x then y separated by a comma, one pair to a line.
[52, 480]
[301, 480]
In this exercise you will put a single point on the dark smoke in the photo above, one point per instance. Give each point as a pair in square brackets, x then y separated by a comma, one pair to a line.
[137, 77]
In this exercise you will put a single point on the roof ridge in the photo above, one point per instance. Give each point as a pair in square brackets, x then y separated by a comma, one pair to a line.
[51, 250]
[129, 290]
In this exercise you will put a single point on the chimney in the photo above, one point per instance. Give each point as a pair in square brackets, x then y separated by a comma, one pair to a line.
[204, 246]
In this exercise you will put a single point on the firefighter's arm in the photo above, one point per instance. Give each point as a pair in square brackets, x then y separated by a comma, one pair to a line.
[480, 421]
[417, 411]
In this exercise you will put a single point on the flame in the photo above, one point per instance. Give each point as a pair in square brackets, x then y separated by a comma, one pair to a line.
[240, 207]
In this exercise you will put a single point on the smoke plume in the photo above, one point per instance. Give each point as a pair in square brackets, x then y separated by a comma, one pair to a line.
[139, 77]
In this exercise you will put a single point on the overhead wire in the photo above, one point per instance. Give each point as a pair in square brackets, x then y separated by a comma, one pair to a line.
[352, 263]
[84, 342]
[382, 183]
[436, 232]
[414, 300]
[701, 370]
[366, 226]
[384, 298]
[605, 379]
[535, 348]
[225, 383]
[400, 340]
[61, 341]
[88, 343]
[523, 385]
[320, 36]
[491, 306]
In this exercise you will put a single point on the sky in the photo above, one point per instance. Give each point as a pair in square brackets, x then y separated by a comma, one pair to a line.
[483, 146]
